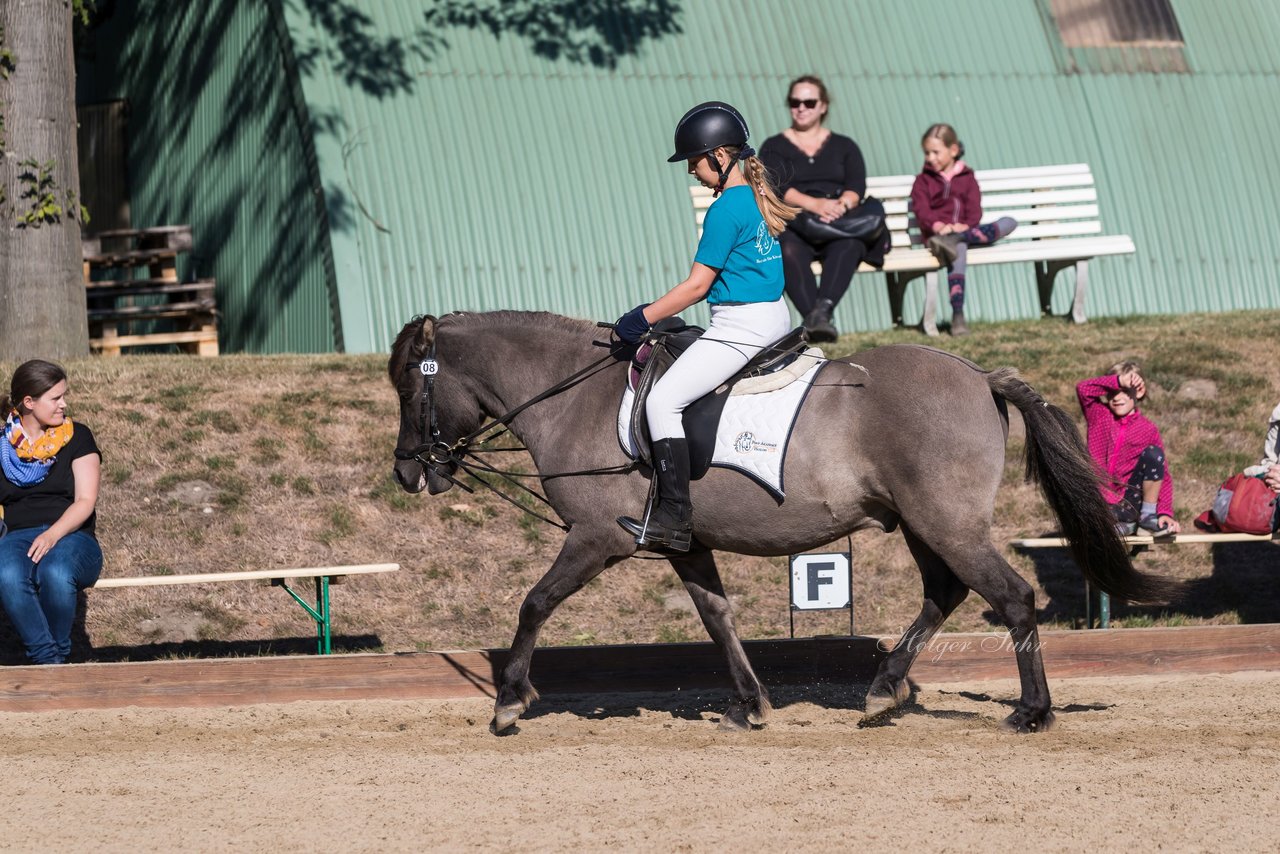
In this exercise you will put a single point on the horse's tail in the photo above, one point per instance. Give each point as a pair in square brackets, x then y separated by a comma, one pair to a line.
[1059, 463]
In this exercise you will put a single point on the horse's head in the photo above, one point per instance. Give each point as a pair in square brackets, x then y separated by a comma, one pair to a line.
[434, 406]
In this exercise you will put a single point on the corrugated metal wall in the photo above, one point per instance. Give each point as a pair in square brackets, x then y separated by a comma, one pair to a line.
[214, 142]
[513, 155]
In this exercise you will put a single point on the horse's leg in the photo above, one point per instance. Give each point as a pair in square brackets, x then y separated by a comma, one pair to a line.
[943, 593]
[585, 554]
[750, 704]
[977, 564]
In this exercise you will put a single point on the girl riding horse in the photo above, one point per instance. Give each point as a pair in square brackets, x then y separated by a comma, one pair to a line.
[737, 269]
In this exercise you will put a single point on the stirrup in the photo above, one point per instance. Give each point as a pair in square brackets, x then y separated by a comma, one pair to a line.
[657, 537]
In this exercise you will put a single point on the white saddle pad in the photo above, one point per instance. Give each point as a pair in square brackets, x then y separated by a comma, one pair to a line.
[753, 433]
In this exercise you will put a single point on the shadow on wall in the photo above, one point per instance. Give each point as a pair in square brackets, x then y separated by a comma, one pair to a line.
[235, 178]
[1243, 582]
[587, 32]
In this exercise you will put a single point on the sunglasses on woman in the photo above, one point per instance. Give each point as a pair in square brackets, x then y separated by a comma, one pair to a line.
[807, 103]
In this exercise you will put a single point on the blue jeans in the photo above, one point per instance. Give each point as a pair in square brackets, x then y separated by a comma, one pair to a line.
[40, 598]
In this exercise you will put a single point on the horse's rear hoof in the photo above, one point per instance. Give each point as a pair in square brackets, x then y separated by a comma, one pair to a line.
[504, 717]
[1028, 721]
[734, 720]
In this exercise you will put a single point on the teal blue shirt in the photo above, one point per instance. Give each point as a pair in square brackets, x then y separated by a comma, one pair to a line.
[737, 244]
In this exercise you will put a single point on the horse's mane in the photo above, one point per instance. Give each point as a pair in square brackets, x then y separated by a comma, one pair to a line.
[402, 350]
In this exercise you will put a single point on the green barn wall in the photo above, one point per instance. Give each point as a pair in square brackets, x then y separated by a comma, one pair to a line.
[217, 139]
[477, 156]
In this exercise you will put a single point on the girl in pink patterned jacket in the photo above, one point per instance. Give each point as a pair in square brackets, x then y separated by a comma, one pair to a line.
[1129, 452]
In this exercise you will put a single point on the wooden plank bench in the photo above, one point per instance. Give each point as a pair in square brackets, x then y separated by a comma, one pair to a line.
[115, 304]
[1137, 545]
[1058, 228]
[323, 575]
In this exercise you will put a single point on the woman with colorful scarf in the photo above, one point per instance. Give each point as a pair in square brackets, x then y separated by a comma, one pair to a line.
[49, 473]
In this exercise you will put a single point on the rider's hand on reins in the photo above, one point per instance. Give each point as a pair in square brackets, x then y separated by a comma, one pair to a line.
[632, 326]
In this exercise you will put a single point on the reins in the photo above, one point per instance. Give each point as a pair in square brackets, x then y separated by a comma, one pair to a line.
[439, 456]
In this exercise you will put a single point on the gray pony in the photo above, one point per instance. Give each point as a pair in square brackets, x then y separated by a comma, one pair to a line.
[902, 437]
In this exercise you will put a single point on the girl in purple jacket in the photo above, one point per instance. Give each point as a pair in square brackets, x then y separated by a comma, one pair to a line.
[948, 206]
[1128, 451]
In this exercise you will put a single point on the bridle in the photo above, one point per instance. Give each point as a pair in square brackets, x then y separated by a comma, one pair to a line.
[438, 457]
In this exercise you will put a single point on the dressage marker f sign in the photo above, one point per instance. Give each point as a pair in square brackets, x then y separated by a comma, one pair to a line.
[821, 582]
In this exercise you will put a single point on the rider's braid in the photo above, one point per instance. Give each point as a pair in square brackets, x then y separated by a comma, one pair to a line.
[776, 212]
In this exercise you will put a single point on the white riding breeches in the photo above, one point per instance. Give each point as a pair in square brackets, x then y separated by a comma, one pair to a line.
[735, 335]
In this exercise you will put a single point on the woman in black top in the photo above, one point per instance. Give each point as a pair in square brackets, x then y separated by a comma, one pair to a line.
[49, 473]
[823, 173]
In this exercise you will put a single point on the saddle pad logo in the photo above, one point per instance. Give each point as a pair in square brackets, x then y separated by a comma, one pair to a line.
[746, 443]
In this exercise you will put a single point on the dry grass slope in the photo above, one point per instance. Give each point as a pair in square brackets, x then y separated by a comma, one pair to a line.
[247, 462]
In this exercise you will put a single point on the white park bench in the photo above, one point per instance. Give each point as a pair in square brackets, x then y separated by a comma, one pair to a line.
[323, 575]
[1058, 227]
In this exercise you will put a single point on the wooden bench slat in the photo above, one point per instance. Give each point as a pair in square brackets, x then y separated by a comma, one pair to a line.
[1134, 540]
[1024, 216]
[910, 260]
[249, 575]
[195, 310]
[129, 258]
[193, 337]
[134, 287]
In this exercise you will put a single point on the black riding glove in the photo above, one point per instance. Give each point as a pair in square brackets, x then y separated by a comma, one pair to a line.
[632, 326]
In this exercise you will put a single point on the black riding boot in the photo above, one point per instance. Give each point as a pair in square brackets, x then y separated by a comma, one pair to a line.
[818, 322]
[667, 525]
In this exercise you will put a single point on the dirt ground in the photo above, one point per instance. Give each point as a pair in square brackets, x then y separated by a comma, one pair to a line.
[1188, 763]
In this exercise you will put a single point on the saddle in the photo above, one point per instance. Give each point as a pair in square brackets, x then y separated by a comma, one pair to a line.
[767, 370]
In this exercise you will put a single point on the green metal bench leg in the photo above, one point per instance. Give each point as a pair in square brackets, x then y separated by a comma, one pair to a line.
[320, 613]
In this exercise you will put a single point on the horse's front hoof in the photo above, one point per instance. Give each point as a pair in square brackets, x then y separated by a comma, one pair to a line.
[883, 698]
[759, 712]
[504, 717]
[1028, 721]
[742, 715]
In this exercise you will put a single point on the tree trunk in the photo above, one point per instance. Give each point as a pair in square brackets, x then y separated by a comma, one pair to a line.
[42, 295]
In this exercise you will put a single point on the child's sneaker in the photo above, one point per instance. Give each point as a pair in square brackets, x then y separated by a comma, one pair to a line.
[1151, 524]
[1126, 529]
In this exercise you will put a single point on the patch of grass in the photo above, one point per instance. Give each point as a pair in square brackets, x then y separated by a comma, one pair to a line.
[668, 633]
[277, 479]
[267, 449]
[389, 492]
[192, 435]
[178, 398]
[117, 474]
[220, 463]
[133, 416]
[473, 517]
[302, 485]
[312, 441]
[220, 420]
[1212, 456]
[169, 480]
[233, 490]
[341, 524]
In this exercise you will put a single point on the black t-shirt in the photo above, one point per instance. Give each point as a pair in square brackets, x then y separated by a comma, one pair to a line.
[44, 503]
[835, 167]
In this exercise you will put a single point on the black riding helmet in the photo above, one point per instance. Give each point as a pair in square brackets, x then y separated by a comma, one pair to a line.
[707, 127]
